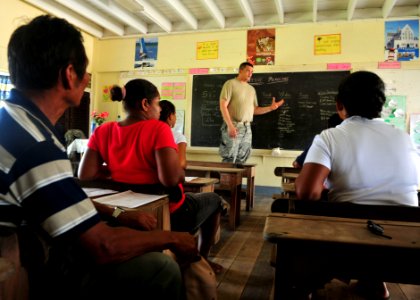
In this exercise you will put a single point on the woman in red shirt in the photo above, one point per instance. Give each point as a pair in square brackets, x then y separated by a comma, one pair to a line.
[140, 150]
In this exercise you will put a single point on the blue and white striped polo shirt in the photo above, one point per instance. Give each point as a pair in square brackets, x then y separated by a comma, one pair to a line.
[36, 179]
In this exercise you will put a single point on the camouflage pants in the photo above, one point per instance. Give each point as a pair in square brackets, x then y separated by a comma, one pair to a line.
[238, 149]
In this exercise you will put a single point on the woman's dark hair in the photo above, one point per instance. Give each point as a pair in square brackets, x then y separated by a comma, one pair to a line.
[133, 92]
[362, 94]
[39, 52]
[167, 109]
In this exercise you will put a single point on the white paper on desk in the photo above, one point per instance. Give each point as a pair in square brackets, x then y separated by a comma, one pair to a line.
[95, 192]
[188, 179]
[128, 199]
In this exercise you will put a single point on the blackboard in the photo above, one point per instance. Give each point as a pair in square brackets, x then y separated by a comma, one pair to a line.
[309, 96]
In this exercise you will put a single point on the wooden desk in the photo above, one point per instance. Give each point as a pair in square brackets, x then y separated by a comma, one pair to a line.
[288, 176]
[158, 207]
[312, 247]
[230, 179]
[249, 173]
[200, 185]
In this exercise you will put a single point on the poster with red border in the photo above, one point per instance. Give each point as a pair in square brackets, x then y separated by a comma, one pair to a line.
[261, 46]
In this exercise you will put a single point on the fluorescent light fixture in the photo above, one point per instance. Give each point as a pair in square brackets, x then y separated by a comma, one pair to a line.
[350, 9]
[90, 12]
[280, 10]
[150, 12]
[121, 14]
[215, 12]
[183, 12]
[246, 9]
[386, 9]
[57, 10]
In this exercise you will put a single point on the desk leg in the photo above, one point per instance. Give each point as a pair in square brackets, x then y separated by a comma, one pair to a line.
[282, 282]
[233, 207]
[238, 203]
[250, 192]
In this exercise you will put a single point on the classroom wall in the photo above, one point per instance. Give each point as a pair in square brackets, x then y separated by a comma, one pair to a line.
[112, 62]
[14, 13]
[362, 46]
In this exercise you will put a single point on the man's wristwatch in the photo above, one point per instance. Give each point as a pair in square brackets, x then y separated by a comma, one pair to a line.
[117, 211]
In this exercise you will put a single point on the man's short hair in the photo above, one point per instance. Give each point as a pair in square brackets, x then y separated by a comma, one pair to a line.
[245, 64]
[40, 51]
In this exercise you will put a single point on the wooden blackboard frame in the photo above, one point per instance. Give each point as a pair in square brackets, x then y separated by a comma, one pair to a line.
[310, 100]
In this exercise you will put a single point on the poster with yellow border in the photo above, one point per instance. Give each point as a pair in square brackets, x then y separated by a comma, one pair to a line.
[208, 50]
[327, 44]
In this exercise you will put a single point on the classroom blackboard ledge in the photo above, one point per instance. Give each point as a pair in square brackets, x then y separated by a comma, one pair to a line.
[264, 153]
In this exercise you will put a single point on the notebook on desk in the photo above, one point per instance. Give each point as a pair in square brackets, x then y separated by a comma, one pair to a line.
[128, 199]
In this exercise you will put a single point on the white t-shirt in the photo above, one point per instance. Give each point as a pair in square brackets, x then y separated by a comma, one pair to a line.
[371, 162]
[179, 137]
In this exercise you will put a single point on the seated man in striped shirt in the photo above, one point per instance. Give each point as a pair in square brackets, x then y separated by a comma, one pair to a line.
[85, 258]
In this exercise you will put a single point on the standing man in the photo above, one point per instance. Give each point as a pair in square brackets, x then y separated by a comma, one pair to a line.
[77, 255]
[238, 105]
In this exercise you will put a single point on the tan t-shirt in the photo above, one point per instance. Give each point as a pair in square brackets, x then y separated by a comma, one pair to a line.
[241, 98]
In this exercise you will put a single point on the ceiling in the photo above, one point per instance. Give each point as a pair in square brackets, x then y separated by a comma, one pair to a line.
[127, 18]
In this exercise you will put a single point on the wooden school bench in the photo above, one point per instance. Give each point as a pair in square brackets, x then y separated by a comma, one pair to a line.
[230, 179]
[331, 240]
[199, 184]
[288, 176]
[248, 173]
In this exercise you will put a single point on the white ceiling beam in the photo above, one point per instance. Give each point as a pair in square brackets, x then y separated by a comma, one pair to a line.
[94, 15]
[246, 9]
[121, 14]
[387, 8]
[150, 12]
[280, 10]
[314, 10]
[215, 12]
[183, 12]
[351, 7]
[60, 11]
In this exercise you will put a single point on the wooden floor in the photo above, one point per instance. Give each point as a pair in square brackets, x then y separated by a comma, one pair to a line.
[248, 274]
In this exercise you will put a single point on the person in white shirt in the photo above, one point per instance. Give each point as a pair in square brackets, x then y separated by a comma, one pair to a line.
[363, 160]
[168, 115]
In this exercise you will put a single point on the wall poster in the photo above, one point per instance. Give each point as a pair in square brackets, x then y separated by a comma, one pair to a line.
[146, 52]
[402, 40]
[394, 111]
[327, 44]
[261, 46]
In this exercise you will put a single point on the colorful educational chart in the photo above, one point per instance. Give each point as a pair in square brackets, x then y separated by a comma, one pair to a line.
[208, 50]
[261, 46]
[401, 40]
[180, 119]
[173, 90]
[415, 130]
[146, 52]
[327, 44]
[106, 93]
[394, 111]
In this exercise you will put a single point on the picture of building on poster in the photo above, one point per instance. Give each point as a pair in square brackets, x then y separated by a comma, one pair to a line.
[402, 40]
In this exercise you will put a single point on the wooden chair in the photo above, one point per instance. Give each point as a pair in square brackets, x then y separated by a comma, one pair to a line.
[13, 276]
[288, 176]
